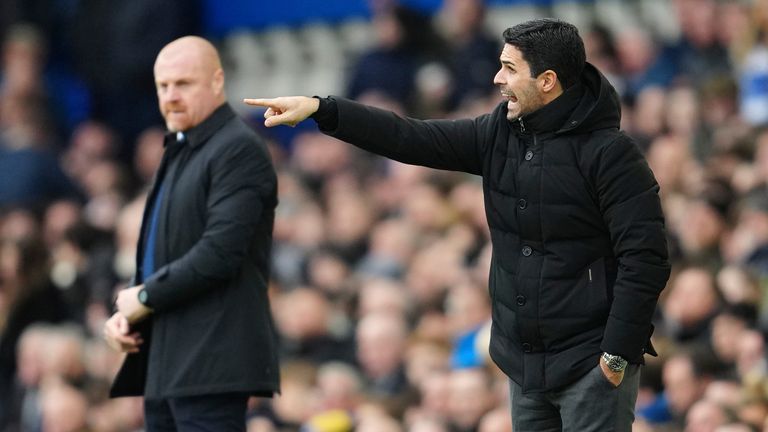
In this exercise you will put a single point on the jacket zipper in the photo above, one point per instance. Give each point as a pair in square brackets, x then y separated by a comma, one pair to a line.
[522, 125]
[590, 274]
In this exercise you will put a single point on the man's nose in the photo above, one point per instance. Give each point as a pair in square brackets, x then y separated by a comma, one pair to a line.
[497, 79]
[172, 94]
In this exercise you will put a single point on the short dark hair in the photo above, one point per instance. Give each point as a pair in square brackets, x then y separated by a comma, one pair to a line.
[550, 44]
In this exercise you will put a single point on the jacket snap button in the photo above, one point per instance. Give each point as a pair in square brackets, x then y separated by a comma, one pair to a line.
[527, 251]
[522, 204]
[527, 347]
[520, 300]
[528, 155]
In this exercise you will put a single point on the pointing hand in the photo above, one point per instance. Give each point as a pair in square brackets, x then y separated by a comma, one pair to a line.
[286, 110]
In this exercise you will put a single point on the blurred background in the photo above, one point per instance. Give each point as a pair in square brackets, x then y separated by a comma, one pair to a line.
[380, 269]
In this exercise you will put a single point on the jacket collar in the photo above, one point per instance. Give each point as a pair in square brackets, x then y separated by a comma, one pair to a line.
[590, 104]
[199, 134]
[552, 116]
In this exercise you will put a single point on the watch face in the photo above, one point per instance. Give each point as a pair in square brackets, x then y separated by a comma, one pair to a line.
[143, 297]
[614, 362]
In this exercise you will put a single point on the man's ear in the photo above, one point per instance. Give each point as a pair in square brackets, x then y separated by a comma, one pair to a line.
[547, 81]
[218, 81]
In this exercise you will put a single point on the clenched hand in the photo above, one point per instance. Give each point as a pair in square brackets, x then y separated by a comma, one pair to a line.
[116, 333]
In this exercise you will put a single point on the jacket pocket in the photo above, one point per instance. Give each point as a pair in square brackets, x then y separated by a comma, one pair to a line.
[597, 287]
[492, 278]
[603, 380]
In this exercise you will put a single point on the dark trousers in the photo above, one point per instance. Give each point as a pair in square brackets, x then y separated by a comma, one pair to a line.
[208, 413]
[590, 404]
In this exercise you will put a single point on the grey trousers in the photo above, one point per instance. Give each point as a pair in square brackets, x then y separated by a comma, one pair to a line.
[590, 404]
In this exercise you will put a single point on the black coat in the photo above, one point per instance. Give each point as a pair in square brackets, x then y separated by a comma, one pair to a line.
[579, 246]
[211, 330]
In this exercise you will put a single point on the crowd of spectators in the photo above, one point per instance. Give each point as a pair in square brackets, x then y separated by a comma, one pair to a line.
[379, 278]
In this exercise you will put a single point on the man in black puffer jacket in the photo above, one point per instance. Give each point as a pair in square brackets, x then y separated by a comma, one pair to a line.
[579, 247]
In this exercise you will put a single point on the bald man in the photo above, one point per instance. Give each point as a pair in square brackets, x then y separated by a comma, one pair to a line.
[196, 323]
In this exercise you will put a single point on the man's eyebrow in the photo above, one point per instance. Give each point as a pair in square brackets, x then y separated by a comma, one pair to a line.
[507, 62]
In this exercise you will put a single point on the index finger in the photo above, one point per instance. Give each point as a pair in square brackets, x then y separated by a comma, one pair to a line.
[260, 102]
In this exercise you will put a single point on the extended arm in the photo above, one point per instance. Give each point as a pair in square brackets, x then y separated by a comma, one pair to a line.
[443, 144]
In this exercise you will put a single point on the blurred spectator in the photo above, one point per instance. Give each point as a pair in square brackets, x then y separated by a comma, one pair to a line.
[635, 52]
[672, 164]
[340, 387]
[383, 296]
[339, 393]
[752, 68]
[327, 271]
[698, 55]
[725, 392]
[682, 116]
[426, 359]
[434, 392]
[751, 357]
[427, 424]
[601, 51]
[690, 304]
[648, 118]
[23, 403]
[739, 287]
[392, 245]
[350, 218]
[727, 330]
[115, 50]
[19, 225]
[377, 422]
[90, 142]
[497, 420]
[381, 343]
[473, 54]
[469, 398]
[60, 216]
[468, 309]
[317, 158]
[297, 400]
[305, 319]
[748, 243]
[149, 152]
[735, 427]
[433, 270]
[702, 225]
[705, 416]
[684, 383]
[27, 296]
[29, 172]
[405, 41]
[31, 177]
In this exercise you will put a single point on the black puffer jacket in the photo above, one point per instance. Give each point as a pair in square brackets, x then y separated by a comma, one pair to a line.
[579, 248]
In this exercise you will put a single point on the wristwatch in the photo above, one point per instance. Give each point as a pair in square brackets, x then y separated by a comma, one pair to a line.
[614, 362]
[144, 297]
